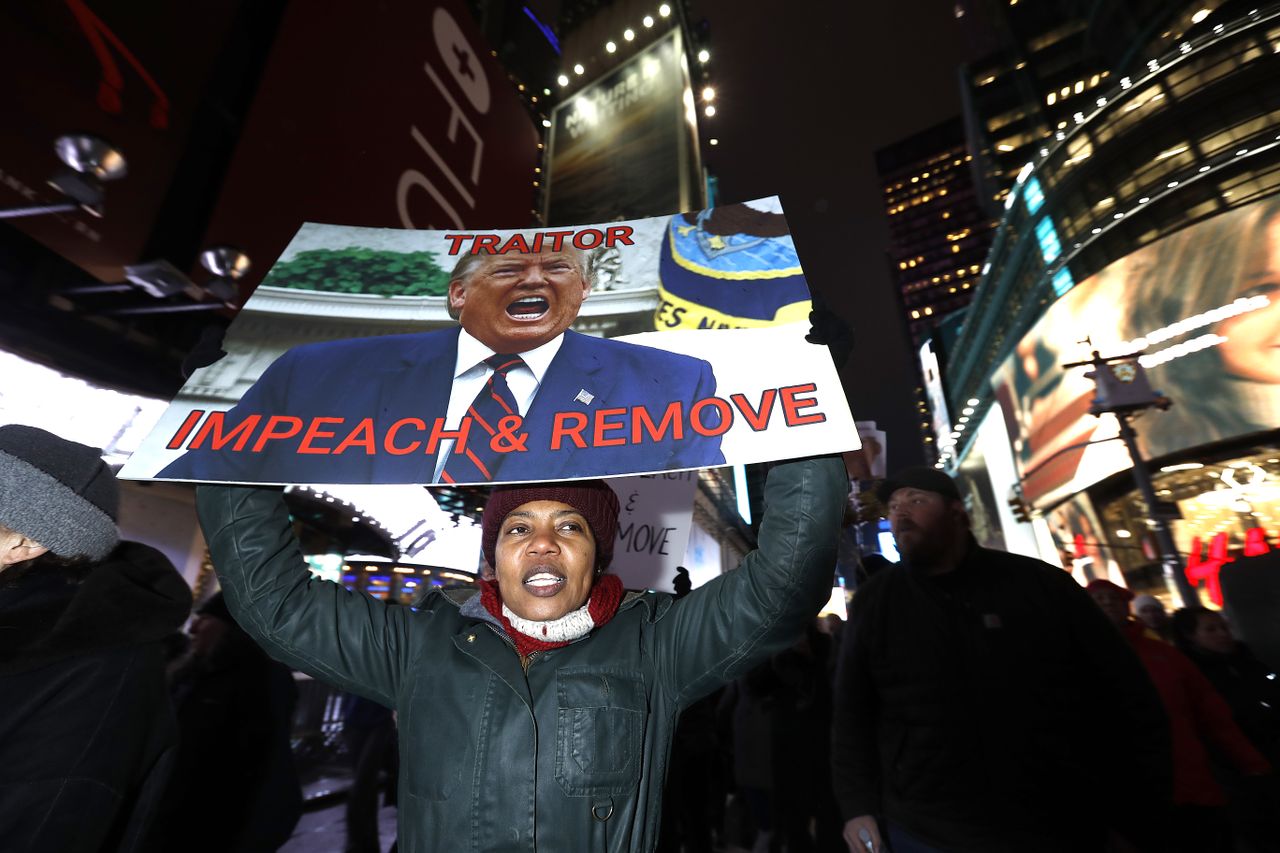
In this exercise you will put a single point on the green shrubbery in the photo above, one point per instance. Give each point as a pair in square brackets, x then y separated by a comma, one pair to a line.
[362, 271]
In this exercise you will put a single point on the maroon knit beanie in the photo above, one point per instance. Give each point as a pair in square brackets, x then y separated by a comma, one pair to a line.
[593, 498]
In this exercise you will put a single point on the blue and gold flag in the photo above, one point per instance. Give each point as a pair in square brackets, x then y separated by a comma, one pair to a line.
[732, 267]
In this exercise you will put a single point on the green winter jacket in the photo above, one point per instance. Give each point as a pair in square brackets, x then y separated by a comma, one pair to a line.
[569, 755]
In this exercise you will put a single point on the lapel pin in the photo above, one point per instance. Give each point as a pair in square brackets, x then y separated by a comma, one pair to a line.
[585, 397]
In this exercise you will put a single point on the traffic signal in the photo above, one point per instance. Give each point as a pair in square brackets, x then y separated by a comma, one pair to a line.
[1018, 506]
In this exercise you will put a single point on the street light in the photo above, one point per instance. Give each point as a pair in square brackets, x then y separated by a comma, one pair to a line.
[1124, 390]
[90, 155]
[88, 162]
[162, 280]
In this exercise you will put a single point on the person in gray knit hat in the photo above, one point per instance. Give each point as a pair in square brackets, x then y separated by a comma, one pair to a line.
[56, 496]
[86, 728]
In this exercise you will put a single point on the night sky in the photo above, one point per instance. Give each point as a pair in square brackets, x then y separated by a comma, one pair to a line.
[806, 92]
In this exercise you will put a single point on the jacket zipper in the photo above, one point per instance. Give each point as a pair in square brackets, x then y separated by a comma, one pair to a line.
[525, 666]
[529, 663]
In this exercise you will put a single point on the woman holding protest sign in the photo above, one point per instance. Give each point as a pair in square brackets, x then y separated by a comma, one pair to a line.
[537, 712]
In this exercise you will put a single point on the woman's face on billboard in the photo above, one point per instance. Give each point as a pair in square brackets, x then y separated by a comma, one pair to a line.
[1252, 349]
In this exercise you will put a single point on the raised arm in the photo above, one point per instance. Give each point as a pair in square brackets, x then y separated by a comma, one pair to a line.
[721, 630]
[347, 639]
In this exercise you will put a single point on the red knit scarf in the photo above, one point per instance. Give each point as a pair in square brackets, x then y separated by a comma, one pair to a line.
[606, 595]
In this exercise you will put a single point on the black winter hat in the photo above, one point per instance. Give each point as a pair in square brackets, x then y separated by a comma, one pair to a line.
[57, 492]
[593, 498]
[918, 477]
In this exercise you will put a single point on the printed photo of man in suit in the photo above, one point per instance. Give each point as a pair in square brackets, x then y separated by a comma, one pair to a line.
[513, 353]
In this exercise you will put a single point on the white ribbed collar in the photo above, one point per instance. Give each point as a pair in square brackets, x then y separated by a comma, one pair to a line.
[571, 626]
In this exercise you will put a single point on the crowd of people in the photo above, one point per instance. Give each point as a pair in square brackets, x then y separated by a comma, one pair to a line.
[975, 701]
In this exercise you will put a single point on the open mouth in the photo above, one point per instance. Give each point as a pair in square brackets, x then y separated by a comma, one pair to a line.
[544, 583]
[528, 308]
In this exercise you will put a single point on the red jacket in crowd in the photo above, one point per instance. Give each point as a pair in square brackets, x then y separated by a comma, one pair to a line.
[1198, 715]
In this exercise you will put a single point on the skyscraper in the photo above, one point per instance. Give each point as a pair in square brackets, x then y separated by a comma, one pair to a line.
[939, 235]
[938, 232]
[1054, 64]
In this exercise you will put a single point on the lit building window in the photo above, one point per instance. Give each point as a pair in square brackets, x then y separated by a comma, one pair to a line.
[1033, 195]
[1047, 237]
[1062, 281]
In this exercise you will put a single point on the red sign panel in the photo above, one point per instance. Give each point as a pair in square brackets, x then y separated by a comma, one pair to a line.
[390, 114]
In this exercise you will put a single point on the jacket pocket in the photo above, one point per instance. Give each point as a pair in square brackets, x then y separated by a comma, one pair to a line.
[599, 730]
[438, 713]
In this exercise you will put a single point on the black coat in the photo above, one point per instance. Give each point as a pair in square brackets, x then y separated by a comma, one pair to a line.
[234, 787]
[86, 728]
[1251, 690]
[981, 709]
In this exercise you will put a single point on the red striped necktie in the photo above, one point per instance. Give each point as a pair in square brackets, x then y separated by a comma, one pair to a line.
[479, 462]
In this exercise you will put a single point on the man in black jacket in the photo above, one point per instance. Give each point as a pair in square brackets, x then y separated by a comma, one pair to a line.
[982, 704]
[86, 728]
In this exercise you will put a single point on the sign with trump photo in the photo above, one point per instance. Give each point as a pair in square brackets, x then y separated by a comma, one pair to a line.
[373, 355]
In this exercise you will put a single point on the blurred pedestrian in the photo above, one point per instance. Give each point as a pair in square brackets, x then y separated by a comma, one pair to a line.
[1249, 686]
[234, 788]
[692, 778]
[806, 814]
[369, 730]
[981, 695]
[86, 728]
[1199, 719]
[1151, 613]
[1252, 693]
[748, 702]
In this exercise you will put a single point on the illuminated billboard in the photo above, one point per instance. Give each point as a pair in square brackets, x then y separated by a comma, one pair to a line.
[1204, 305]
[626, 146]
[931, 370]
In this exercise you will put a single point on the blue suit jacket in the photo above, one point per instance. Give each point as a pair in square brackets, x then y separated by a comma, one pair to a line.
[410, 376]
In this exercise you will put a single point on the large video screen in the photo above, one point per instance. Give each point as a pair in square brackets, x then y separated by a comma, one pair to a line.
[1204, 305]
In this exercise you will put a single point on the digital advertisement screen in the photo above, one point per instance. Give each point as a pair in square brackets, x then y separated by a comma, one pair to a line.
[1204, 306]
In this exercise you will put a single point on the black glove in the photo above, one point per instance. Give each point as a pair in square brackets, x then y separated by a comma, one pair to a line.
[828, 329]
[206, 351]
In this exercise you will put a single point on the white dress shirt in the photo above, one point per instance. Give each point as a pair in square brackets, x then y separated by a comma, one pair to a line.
[470, 374]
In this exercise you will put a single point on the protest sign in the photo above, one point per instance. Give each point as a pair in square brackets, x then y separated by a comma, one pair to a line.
[386, 356]
[654, 518]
